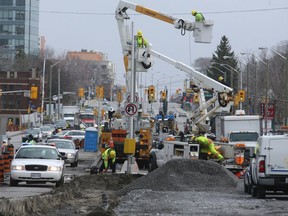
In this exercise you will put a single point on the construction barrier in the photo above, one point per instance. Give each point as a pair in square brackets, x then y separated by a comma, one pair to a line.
[6, 162]
[1, 169]
[11, 150]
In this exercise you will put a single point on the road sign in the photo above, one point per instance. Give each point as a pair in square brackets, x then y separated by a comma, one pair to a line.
[129, 98]
[131, 109]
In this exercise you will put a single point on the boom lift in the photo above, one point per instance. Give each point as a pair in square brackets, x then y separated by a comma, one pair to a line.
[202, 32]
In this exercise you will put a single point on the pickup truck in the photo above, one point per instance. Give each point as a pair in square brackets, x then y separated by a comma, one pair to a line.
[268, 170]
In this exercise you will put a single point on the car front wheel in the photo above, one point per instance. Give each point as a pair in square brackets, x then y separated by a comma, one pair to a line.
[13, 182]
[60, 182]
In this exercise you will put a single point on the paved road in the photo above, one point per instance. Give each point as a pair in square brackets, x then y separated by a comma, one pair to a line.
[86, 159]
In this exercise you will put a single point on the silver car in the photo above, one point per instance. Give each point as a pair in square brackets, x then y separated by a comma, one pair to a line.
[67, 148]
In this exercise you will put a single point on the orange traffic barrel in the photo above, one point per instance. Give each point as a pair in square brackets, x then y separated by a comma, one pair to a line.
[1, 168]
[11, 149]
[6, 163]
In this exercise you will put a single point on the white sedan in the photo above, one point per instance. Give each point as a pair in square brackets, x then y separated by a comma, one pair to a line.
[37, 164]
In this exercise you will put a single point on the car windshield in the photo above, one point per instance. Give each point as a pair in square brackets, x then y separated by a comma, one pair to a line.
[65, 145]
[32, 131]
[244, 136]
[45, 128]
[37, 153]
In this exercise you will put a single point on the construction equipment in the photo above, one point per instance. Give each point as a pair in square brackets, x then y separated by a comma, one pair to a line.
[202, 32]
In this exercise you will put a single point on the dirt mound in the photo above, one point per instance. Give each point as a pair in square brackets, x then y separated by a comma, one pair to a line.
[184, 175]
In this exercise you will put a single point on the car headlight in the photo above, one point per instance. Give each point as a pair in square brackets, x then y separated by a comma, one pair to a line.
[17, 167]
[70, 155]
[54, 168]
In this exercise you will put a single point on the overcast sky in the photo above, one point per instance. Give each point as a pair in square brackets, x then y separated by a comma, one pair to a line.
[72, 25]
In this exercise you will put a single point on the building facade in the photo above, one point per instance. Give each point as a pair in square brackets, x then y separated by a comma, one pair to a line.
[15, 96]
[19, 27]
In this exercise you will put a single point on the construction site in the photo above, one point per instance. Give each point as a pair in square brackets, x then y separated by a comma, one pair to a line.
[180, 187]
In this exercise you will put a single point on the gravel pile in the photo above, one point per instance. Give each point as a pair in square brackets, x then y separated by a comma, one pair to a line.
[184, 175]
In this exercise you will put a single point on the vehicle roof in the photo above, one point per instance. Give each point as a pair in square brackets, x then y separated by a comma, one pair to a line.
[38, 146]
[62, 140]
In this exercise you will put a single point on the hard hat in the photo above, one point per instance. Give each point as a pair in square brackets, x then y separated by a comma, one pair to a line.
[220, 78]
[193, 12]
[139, 33]
[112, 154]
[193, 138]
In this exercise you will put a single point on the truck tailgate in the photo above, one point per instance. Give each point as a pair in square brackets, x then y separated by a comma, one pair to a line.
[277, 161]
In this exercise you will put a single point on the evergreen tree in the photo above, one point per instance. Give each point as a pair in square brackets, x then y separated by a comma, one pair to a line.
[224, 64]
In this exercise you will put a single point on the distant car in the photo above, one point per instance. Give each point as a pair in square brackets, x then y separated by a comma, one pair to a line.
[71, 135]
[35, 132]
[61, 123]
[181, 114]
[67, 148]
[37, 164]
[46, 131]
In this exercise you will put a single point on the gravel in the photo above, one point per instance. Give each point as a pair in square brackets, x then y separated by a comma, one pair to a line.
[180, 187]
[185, 175]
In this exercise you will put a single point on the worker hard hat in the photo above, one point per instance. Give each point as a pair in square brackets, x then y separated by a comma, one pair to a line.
[193, 138]
[193, 12]
[112, 154]
[139, 33]
[220, 78]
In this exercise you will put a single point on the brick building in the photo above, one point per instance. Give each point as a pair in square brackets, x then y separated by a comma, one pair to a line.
[15, 97]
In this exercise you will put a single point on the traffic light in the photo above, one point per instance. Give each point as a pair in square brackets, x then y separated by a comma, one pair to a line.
[241, 95]
[195, 98]
[151, 93]
[34, 92]
[81, 92]
[101, 92]
[163, 94]
[236, 101]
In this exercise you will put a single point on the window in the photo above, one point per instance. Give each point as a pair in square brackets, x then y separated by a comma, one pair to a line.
[6, 3]
[20, 15]
[20, 2]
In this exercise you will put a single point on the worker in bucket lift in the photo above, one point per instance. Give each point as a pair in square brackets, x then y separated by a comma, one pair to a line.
[141, 41]
[206, 146]
[108, 160]
[198, 16]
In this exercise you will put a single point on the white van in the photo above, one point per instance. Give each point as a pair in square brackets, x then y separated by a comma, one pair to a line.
[269, 168]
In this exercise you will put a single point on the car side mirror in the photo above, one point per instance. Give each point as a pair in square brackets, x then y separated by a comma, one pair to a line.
[64, 157]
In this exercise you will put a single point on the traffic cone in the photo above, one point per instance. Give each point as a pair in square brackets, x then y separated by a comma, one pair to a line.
[111, 143]
[239, 174]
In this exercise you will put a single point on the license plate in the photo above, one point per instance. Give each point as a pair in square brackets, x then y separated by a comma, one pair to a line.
[286, 180]
[35, 175]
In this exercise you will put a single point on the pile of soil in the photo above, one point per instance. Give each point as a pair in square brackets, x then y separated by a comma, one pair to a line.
[185, 175]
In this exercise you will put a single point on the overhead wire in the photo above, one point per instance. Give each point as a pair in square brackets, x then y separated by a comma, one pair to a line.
[184, 13]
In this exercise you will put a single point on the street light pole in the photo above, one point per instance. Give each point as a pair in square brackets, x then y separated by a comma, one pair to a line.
[50, 87]
[59, 93]
[266, 89]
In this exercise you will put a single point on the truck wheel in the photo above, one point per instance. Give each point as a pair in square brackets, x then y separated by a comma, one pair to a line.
[152, 163]
[261, 192]
[254, 191]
